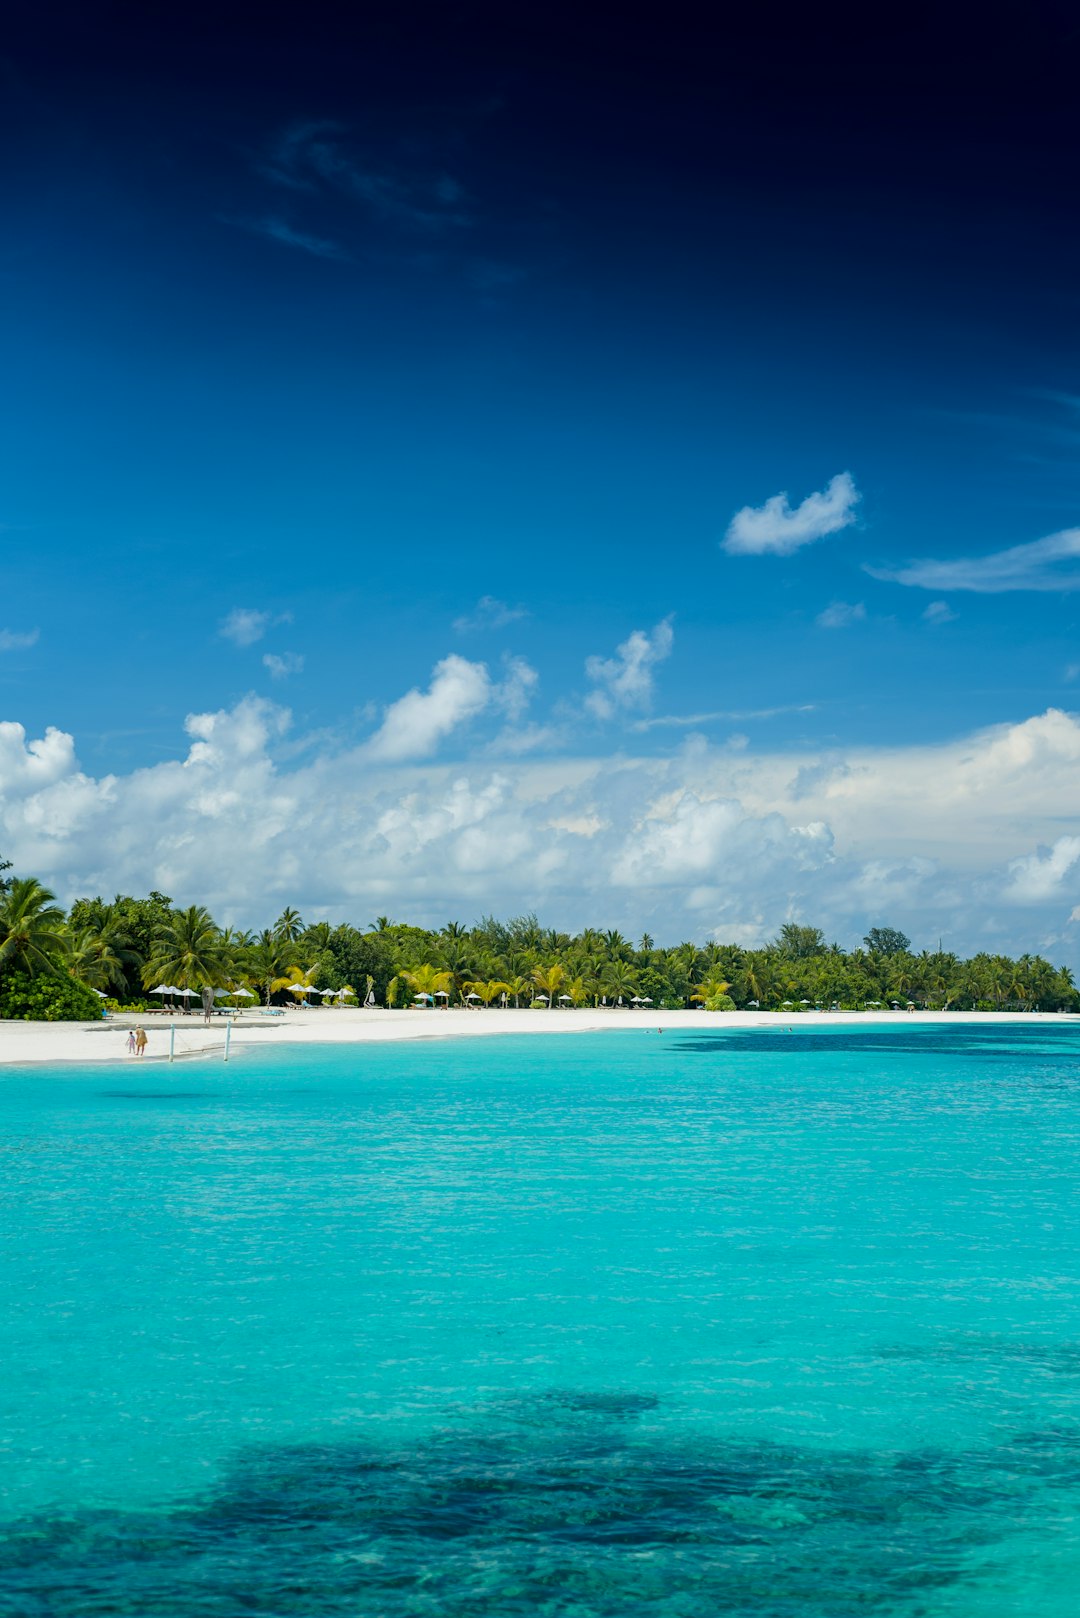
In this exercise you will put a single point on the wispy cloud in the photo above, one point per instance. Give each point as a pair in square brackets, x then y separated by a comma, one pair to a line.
[626, 680]
[841, 615]
[279, 230]
[938, 612]
[726, 715]
[316, 156]
[14, 640]
[281, 667]
[778, 529]
[246, 625]
[1035, 566]
[489, 613]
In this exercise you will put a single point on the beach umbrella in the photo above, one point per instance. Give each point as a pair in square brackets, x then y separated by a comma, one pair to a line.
[422, 997]
[566, 997]
[637, 1000]
[162, 988]
[754, 1003]
[540, 997]
[804, 1002]
[100, 993]
[789, 1002]
[443, 994]
[187, 993]
[472, 997]
[242, 994]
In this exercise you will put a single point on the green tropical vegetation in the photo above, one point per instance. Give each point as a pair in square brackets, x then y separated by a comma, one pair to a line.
[51, 962]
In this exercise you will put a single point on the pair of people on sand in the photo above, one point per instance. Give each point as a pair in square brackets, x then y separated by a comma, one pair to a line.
[136, 1041]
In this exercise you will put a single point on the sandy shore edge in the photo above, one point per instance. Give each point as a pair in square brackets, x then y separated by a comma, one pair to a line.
[23, 1044]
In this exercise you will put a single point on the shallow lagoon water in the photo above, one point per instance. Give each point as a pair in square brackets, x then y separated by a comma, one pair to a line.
[683, 1325]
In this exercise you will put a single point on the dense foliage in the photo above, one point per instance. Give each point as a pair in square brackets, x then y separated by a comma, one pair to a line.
[128, 947]
[47, 997]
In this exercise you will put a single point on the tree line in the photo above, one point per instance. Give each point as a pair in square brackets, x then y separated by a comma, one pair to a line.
[52, 962]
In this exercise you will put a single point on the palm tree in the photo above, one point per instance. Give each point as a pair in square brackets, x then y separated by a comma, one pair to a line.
[687, 959]
[294, 980]
[188, 952]
[578, 990]
[31, 928]
[288, 926]
[548, 980]
[517, 986]
[268, 959]
[429, 980]
[618, 980]
[381, 924]
[93, 960]
[317, 936]
[711, 989]
[488, 989]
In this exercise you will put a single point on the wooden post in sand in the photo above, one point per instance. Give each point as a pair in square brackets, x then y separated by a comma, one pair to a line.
[172, 1039]
[228, 1036]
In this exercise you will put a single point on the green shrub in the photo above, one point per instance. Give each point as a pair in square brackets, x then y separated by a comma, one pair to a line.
[47, 999]
[720, 1002]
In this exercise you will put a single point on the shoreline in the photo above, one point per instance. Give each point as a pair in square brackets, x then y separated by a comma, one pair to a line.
[26, 1044]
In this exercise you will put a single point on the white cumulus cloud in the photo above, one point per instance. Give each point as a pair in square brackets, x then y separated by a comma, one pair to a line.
[778, 529]
[414, 725]
[626, 680]
[1040, 875]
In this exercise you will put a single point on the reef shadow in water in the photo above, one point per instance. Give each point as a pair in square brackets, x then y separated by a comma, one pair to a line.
[1041, 1044]
[538, 1520]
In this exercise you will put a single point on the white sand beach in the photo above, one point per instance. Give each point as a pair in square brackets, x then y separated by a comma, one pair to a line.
[23, 1043]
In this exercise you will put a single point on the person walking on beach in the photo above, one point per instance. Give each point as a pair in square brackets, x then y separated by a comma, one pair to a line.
[131, 1042]
[140, 1041]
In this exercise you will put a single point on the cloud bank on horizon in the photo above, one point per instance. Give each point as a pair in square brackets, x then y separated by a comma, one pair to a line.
[962, 840]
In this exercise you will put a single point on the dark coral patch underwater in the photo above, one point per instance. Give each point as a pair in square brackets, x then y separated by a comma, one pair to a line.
[577, 1514]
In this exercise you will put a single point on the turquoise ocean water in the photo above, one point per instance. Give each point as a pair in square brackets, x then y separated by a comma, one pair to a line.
[680, 1325]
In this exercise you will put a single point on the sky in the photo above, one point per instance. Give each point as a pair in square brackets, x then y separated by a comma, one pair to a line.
[465, 458]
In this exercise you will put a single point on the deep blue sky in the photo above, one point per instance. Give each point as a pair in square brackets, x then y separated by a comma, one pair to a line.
[352, 322]
[565, 294]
